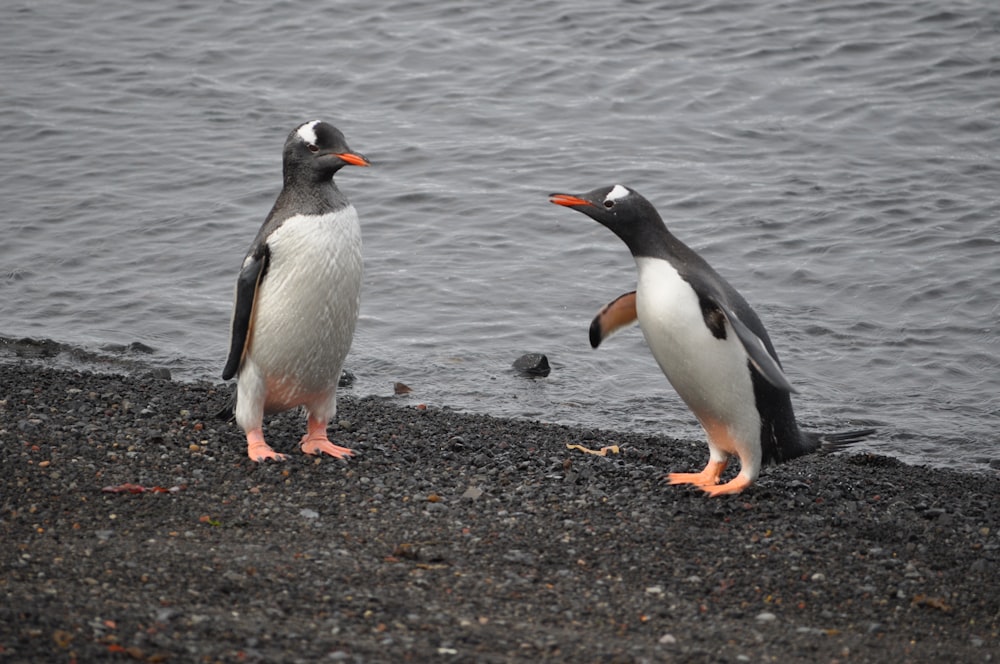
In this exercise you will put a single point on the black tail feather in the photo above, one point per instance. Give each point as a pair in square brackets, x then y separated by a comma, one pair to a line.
[827, 443]
[228, 411]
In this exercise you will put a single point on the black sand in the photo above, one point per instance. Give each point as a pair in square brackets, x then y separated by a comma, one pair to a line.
[461, 538]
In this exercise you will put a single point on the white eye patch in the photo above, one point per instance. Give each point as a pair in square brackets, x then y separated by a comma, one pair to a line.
[616, 193]
[307, 132]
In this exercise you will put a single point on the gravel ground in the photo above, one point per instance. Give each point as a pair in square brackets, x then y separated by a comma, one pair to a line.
[460, 538]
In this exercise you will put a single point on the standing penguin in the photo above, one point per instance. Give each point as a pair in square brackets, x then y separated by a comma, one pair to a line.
[707, 340]
[297, 296]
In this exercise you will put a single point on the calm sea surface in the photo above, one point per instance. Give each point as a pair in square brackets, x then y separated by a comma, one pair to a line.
[838, 162]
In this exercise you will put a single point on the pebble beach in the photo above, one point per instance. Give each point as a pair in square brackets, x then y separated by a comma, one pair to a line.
[134, 528]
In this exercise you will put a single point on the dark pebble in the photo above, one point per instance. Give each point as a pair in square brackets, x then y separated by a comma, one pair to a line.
[533, 364]
[346, 379]
[139, 347]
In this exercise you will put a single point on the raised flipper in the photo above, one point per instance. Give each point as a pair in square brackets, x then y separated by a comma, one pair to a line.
[253, 270]
[612, 317]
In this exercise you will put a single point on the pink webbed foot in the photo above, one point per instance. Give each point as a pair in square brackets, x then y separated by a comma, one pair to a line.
[706, 478]
[260, 451]
[324, 446]
[735, 485]
[316, 442]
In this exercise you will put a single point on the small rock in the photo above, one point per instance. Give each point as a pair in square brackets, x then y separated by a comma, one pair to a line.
[309, 514]
[520, 557]
[473, 492]
[811, 631]
[766, 617]
[346, 379]
[160, 373]
[401, 388]
[166, 614]
[139, 347]
[533, 364]
[668, 640]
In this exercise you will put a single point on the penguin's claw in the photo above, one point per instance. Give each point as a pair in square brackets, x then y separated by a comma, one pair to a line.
[268, 456]
[706, 479]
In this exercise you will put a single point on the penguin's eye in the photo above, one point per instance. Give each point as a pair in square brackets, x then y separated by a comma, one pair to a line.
[313, 147]
[608, 203]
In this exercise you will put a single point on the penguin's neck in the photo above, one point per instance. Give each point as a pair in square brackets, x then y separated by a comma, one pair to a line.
[655, 241]
[313, 199]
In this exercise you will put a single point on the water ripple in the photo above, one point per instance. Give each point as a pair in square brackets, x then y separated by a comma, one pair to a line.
[837, 161]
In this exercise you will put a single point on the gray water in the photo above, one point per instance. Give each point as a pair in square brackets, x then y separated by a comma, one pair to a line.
[838, 162]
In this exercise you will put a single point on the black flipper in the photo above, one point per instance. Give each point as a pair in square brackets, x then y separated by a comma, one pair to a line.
[757, 350]
[253, 270]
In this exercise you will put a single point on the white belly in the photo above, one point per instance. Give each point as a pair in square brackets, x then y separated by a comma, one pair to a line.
[711, 375]
[307, 307]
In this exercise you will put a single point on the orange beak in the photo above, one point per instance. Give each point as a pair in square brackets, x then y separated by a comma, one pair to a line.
[567, 200]
[354, 159]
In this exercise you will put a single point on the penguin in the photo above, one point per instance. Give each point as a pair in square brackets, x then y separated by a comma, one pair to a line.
[297, 296]
[709, 343]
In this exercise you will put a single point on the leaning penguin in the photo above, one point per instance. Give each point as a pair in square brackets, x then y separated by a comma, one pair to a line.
[707, 340]
[297, 296]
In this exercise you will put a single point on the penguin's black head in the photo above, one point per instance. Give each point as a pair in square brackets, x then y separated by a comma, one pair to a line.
[316, 150]
[623, 210]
